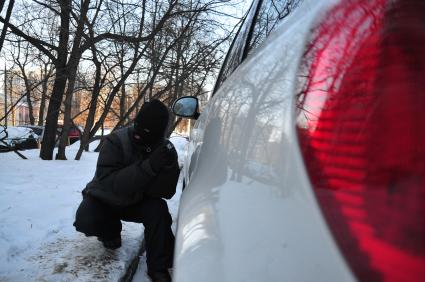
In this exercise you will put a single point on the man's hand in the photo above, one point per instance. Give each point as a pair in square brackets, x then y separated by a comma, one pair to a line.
[164, 155]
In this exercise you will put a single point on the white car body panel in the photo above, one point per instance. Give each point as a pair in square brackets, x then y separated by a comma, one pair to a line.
[274, 209]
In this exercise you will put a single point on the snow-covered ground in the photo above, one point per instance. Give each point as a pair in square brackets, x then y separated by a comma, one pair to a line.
[38, 201]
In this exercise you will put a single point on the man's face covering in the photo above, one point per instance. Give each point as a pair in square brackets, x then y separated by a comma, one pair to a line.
[151, 123]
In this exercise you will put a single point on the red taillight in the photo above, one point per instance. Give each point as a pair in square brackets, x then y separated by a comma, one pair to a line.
[361, 126]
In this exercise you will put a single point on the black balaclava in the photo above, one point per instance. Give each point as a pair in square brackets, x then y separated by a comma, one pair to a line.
[151, 123]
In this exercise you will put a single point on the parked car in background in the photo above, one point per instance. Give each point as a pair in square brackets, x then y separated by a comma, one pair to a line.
[38, 129]
[74, 133]
[308, 163]
[20, 138]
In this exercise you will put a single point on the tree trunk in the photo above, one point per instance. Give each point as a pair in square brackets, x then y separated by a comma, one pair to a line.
[6, 22]
[123, 94]
[30, 109]
[28, 96]
[48, 144]
[173, 125]
[88, 133]
[63, 141]
[72, 70]
[122, 102]
[43, 100]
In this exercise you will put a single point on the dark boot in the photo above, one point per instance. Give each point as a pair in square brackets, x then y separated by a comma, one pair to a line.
[160, 276]
[111, 244]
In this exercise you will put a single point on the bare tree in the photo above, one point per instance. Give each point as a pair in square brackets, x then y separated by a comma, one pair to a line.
[15, 92]
[71, 72]
[46, 70]
[164, 49]
[151, 62]
[20, 52]
[6, 20]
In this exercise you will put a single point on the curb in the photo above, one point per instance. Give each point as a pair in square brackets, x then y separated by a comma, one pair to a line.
[132, 267]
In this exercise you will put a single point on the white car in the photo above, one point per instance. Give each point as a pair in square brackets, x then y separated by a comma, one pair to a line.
[308, 163]
[16, 137]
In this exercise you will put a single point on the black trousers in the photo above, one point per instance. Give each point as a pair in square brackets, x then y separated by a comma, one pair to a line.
[95, 218]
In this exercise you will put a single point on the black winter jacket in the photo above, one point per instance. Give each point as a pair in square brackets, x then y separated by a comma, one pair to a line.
[123, 173]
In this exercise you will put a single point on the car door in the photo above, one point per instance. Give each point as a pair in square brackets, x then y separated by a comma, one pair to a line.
[249, 183]
[233, 59]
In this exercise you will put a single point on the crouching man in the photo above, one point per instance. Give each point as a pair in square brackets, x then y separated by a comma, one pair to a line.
[136, 168]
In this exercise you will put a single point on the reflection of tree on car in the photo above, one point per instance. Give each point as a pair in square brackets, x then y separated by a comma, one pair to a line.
[211, 154]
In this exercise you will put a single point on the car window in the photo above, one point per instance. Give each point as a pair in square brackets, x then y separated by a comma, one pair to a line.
[235, 55]
[270, 14]
[37, 130]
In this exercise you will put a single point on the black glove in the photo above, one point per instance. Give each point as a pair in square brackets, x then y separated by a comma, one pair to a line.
[163, 156]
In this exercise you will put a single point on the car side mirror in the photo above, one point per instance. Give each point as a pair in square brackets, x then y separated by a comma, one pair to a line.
[186, 107]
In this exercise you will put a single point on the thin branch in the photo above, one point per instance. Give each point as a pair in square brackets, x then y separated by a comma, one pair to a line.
[6, 23]
[39, 44]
